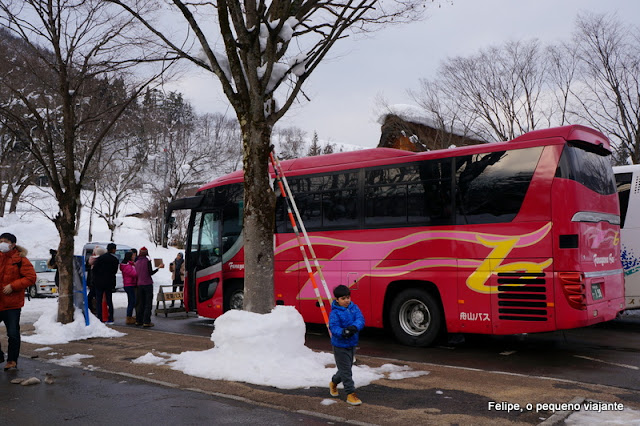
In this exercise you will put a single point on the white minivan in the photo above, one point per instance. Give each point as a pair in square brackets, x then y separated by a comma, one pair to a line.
[121, 249]
[628, 183]
[45, 280]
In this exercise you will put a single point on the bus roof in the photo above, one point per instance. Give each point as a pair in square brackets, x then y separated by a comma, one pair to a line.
[573, 132]
[380, 156]
[320, 163]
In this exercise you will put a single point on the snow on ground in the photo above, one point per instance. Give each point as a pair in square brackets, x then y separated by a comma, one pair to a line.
[71, 360]
[50, 332]
[253, 348]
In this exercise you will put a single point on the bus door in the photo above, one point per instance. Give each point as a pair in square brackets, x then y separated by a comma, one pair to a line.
[628, 183]
[204, 264]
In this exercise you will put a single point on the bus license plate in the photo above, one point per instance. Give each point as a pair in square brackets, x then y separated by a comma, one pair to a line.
[596, 291]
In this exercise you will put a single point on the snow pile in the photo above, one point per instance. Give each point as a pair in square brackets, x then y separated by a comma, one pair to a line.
[268, 350]
[50, 332]
[150, 358]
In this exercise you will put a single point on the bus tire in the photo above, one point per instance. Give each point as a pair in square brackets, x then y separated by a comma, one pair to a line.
[415, 317]
[234, 296]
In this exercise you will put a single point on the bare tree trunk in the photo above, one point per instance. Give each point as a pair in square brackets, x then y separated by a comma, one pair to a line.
[15, 198]
[93, 204]
[66, 224]
[4, 195]
[78, 215]
[259, 219]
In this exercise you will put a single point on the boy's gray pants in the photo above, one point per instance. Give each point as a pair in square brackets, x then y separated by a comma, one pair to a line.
[344, 361]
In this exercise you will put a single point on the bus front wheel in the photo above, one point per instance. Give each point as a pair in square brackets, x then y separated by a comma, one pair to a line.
[415, 317]
[234, 297]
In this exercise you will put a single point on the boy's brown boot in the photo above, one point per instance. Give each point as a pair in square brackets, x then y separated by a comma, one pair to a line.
[353, 399]
[333, 389]
[130, 320]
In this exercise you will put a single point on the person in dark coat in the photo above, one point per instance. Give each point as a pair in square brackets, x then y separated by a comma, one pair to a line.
[177, 274]
[53, 264]
[91, 297]
[16, 274]
[104, 273]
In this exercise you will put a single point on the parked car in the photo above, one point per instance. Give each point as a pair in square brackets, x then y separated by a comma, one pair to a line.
[45, 285]
[121, 249]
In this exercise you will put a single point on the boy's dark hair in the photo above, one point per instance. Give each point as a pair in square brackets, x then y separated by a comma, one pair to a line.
[111, 247]
[340, 291]
[8, 236]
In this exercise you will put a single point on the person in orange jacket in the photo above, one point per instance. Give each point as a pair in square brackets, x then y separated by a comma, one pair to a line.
[16, 274]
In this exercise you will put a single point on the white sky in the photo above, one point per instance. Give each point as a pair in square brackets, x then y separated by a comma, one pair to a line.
[344, 88]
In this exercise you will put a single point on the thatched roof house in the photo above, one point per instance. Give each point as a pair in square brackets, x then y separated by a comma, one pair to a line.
[407, 127]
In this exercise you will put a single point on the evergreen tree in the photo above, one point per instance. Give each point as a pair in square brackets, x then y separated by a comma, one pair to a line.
[315, 148]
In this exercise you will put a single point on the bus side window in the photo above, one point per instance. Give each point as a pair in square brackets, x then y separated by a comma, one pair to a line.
[623, 184]
[195, 240]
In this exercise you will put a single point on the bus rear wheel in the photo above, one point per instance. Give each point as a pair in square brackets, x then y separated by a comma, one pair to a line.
[415, 318]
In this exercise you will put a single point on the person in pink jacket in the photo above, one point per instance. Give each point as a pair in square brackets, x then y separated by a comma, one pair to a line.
[130, 282]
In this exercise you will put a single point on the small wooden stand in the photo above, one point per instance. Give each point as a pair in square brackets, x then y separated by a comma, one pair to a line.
[169, 296]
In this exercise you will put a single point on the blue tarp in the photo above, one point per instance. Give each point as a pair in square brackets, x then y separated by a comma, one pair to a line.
[80, 287]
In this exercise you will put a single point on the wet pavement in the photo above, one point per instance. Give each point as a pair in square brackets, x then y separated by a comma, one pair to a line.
[108, 388]
[77, 396]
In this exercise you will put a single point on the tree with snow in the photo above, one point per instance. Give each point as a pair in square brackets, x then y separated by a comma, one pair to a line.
[289, 142]
[64, 93]
[262, 52]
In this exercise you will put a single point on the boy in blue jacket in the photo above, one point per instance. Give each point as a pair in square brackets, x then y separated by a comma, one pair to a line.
[345, 322]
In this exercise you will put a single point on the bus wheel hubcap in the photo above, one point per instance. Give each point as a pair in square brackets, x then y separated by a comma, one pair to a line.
[414, 317]
[237, 300]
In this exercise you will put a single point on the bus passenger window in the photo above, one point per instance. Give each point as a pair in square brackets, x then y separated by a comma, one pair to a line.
[623, 182]
[386, 205]
[491, 187]
[339, 208]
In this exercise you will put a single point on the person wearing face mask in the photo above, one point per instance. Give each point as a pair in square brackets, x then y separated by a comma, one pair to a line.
[16, 274]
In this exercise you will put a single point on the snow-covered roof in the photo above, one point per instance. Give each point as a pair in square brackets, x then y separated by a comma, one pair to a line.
[417, 115]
